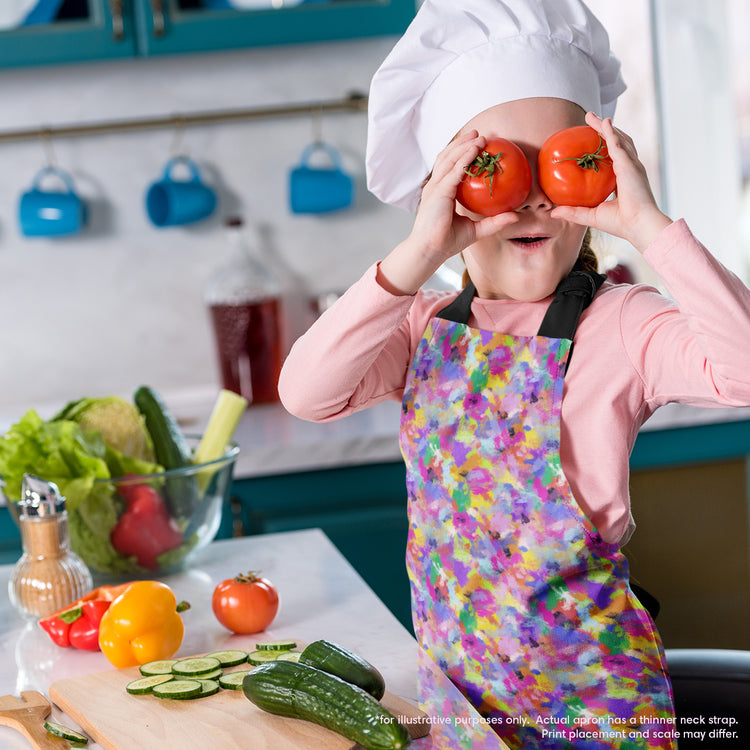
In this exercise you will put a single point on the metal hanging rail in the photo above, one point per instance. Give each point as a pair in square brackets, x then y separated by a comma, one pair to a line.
[354, 102]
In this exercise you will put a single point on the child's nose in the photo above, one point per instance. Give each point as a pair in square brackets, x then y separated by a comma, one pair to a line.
[536, 199]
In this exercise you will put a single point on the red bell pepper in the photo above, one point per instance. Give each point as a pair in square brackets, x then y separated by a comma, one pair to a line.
[145, 530]
[77, 624]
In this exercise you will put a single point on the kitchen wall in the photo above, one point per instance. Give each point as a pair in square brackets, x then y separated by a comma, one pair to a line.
[122, 305]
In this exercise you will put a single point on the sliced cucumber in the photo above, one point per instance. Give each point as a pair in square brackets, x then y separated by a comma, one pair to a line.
[229, 658]
[208, 687]
[262, 657]
[196, 666]
[287, 645]
[67, 734]
[233, 680]
[145, 685]
[214, 674]
[289, 656]
[163, 666]
[178, 689]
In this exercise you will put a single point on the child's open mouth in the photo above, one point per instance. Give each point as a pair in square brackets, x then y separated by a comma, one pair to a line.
[530, 242]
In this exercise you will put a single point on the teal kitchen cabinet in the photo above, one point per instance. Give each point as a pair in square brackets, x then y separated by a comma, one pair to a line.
[107, 29]
[89, 30]
[362, 510]
[205, 25]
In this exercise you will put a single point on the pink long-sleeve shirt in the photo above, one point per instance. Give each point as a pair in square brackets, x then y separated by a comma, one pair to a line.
[635, 350]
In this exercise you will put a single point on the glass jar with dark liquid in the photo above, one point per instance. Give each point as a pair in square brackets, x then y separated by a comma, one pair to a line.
[244, 300]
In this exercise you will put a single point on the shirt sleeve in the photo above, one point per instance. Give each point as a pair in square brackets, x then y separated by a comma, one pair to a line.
[355, 355]
[692, 348]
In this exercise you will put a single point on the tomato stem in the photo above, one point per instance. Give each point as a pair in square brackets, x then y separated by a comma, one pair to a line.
[250, 577]
[589, 161]
[485, 165]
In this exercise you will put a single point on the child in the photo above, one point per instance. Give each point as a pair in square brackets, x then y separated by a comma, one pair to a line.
[517, 453]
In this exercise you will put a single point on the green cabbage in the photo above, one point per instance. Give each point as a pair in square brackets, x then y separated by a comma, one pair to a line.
[121, 425]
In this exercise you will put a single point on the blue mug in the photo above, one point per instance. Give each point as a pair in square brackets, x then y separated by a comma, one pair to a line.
[51, 213]
[315, 190]
[171, 202]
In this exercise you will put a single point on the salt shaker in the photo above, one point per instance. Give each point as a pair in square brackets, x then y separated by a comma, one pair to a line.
[49, 575]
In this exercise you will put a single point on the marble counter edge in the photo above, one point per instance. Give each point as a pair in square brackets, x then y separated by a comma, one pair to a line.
[274, 442]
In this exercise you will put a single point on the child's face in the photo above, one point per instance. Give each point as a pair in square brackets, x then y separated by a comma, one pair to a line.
[503, 265]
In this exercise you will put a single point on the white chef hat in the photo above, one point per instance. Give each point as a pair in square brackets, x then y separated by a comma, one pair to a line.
[460, 57]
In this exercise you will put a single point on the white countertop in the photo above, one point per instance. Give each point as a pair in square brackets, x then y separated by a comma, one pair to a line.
[321, 597]
[272, 441]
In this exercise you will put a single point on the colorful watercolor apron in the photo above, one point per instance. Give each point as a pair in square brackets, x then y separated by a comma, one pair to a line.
[514, 593]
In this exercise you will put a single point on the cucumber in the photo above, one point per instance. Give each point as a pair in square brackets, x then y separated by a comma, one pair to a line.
[171, 449]
[300, 691]
[233, 680]
[288, 656]
[144, 685]
[196, 666]
[162, 666]
[338, 661]
[287, 645]
[208, 687]
[230, 657]
[178, 689]
[261, 657]
[67, 734]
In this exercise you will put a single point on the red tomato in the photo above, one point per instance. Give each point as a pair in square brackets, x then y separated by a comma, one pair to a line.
[575, 168]
[245, 604]
[498, 180]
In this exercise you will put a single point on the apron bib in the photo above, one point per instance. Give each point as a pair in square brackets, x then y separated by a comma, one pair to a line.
[514, 593]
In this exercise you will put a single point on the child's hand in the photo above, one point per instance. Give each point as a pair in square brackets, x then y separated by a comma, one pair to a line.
[437, 225]
[439, 232]
[632, 214]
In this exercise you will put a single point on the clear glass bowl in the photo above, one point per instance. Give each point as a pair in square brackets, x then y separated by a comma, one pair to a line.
[146, 525]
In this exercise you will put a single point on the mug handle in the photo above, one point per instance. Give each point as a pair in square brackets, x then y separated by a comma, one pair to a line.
[188, 162]
[333, 154]
[66, 179]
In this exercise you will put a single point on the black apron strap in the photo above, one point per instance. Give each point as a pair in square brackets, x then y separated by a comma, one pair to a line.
[459, 310]
[572, 296]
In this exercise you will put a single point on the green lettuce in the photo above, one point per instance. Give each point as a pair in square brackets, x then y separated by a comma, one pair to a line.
[79, 463]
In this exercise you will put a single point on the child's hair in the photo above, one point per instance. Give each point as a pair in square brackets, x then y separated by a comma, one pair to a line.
[587, 260]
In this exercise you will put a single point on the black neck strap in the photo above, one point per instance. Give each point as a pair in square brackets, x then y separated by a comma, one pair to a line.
[572, 296]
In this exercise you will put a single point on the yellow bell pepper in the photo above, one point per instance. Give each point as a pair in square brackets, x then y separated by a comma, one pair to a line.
[142, 624]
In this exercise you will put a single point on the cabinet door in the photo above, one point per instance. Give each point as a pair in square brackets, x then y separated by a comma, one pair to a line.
[170, 26]
[72, 31]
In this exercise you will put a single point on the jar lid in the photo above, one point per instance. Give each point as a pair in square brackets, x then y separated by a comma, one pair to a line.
[39, 497]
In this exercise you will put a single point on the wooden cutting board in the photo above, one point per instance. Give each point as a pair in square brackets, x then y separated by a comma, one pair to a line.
[116, 720]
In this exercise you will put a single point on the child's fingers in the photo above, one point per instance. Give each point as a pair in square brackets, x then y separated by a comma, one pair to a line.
[457, 155]
[492, 224]
[575, 214]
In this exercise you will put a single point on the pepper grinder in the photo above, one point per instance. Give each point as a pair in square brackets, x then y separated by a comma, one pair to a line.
[49, 575]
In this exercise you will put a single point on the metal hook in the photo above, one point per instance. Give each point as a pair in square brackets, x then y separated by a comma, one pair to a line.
[45, 136]
[179, 134]
[317, 124]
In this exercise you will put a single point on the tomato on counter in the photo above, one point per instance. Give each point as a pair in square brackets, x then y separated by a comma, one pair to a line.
[246, 603]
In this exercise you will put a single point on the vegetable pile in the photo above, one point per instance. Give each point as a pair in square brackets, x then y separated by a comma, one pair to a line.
[101, 452]
[324, 683]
